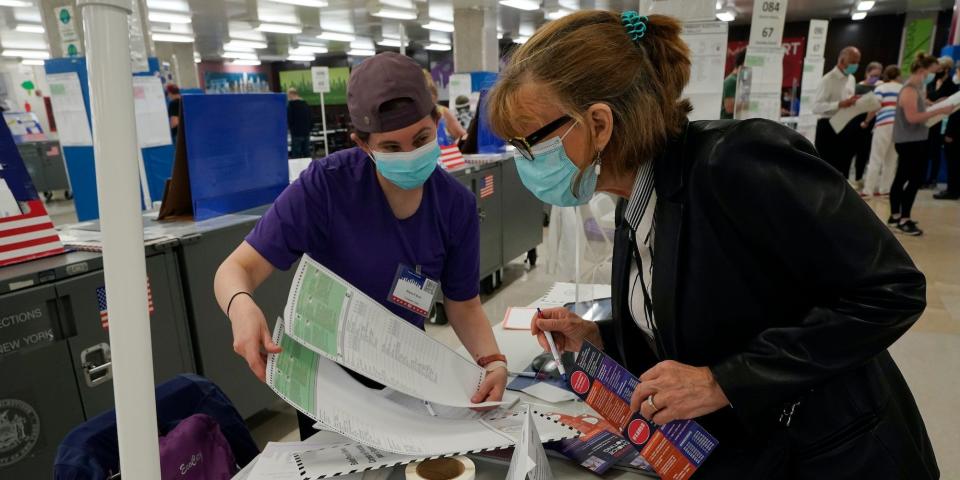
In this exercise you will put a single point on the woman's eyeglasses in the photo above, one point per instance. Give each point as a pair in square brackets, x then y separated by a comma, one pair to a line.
[524, 145]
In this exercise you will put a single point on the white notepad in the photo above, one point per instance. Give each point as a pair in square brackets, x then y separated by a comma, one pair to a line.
[519, 318]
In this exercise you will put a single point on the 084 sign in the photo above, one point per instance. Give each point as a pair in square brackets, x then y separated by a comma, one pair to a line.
[770, 7]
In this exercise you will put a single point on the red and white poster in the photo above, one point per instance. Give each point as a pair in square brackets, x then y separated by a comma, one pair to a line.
[794, 51]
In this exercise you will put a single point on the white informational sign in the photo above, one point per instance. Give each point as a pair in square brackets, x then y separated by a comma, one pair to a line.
[69, 109]
[138, 44]
[809, 82]
[8, 203]
[708, 49]
[766, 29]
[817, 38]
[686, 10]
[71, 49]
[759, 83]
[321, 79]
[66, 24]
[153, 124]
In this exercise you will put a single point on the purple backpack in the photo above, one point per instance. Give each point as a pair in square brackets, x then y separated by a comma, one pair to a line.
[196, 450]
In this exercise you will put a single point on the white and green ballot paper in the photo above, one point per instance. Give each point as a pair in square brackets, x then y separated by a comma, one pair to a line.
[425, 409]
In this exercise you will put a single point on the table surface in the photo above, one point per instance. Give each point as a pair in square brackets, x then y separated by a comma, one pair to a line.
[520, 349]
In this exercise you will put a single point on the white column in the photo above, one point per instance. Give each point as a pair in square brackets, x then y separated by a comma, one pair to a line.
[107, 47]
[475, 46]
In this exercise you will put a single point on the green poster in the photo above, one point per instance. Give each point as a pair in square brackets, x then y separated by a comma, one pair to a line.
[917, 37]
[303, 82]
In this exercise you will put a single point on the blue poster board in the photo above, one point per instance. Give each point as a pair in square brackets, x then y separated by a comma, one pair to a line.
[158, 161]
[236, 150]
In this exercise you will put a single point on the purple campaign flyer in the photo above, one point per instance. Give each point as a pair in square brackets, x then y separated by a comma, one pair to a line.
[598, 365]
[691, 439]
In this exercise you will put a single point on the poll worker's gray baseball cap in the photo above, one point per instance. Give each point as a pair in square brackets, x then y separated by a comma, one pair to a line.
[380, 79]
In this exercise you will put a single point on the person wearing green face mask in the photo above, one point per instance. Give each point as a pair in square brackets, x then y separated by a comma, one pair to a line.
[836, 92]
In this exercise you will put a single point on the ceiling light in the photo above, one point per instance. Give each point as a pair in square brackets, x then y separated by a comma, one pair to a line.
[250, 63]
[499, 35]
[300, 58]
[408, 4]
[438, 47]
[865, 5]
[726, 15]
[360, 52]
[521, 40]
[171, 37]
[29, 28]
[246, 32]
[32, 63]
[171, 5]
[241, 55]
[557, 14]
[439, 26]
[305, 50]
[168, 17]
[14, 3]
[280, 28]
[389, 42]
[394, 13]
[337, 36]
[37, 54]
[521, 4]
[250, 44]
[303, 3]
[858, 16]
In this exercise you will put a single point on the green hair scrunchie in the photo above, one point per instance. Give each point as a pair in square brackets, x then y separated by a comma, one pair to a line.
[635, 24]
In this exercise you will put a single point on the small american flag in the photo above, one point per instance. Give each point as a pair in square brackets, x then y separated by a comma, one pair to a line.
[450, 157]
[102, 304]
[486, 186]
[25, 236]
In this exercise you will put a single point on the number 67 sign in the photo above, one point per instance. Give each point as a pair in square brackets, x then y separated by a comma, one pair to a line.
[766, 28]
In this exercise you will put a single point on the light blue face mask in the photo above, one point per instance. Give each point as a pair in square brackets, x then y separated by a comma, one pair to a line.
[852, 68]
[928, 78]
[408, 170]
[551, 174]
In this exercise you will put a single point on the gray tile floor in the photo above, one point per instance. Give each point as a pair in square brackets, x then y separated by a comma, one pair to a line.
[929, 354]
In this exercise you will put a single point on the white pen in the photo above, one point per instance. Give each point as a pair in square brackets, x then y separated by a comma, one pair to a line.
[553, 349]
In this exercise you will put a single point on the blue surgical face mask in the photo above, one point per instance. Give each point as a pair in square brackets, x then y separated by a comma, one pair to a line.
[852, 68]
[408, 170]
[928, 78]
[551, 174]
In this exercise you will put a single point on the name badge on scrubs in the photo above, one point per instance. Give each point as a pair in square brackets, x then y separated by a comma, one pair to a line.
[413, 290]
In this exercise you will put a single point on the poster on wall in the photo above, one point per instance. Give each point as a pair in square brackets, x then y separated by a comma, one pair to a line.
[69, 109]
[235, 82]
[759, 84]
[793, 55]
[302, 80]
[707, 42]
[917, 37]
[138, 44]
[440, 72]
[153, 127]
[463, 102]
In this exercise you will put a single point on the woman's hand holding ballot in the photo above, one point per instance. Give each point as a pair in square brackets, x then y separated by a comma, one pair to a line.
[492, 388]
[569, 330]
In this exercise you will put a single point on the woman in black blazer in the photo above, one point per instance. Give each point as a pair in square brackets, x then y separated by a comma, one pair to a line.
[753, 290]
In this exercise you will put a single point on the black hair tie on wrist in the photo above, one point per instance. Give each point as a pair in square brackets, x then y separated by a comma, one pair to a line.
[235, 295]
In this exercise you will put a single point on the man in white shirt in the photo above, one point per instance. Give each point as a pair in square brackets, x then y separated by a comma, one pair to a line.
[836, 91]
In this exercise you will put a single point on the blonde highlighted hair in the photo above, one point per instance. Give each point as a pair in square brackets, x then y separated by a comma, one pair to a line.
[586, 58]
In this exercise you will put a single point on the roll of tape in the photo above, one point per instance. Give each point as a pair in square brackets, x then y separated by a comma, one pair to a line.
[450, 468]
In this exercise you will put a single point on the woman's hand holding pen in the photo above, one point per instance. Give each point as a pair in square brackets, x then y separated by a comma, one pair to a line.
[568, 329]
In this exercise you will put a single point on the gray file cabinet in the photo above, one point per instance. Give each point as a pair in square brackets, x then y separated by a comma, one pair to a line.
[54, 352]
[200, 256]
[523, 216]
[44, 163]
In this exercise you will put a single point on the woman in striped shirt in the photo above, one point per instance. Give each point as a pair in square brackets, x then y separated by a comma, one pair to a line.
[883, 157]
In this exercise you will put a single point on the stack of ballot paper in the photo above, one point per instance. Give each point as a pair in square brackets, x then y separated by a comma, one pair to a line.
[424, 412]
[952, 100]
[869, 102]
